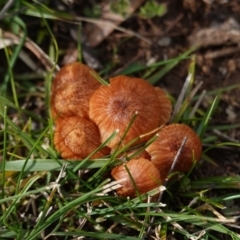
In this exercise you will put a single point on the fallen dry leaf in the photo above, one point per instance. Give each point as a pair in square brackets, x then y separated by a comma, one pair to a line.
[97, 32]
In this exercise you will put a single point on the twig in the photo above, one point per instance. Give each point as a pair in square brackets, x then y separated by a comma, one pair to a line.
[222, 53]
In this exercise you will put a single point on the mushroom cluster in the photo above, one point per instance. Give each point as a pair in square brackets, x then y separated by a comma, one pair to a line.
[76, 135]
[87, 114]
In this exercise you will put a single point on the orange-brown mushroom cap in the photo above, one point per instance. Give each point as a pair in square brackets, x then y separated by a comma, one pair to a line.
[165, 147]
[71, 90]
[144, 174]
[113, 107]
[166, 106]
[76, 138]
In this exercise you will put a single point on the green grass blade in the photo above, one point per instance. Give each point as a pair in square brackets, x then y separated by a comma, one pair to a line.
[159, 74]
[204, 124]
[51, 165]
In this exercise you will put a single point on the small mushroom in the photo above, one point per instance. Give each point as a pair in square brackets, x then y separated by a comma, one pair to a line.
[144, 174]
[71, 90]
[77, 137]
[165, 147]
[113, 107]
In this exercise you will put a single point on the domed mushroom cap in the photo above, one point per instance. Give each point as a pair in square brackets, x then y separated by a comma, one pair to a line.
[76, 138]
[113, 107]
[166, 106]
[144, 173]
[71, 90]
[165, 147]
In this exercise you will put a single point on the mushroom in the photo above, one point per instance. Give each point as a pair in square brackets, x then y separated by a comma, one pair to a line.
[114, 106]
[165, 147]
[71, 90]
[77, 137]
[140, 174]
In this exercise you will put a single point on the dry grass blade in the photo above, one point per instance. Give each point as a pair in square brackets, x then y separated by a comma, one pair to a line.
[8, 39]
[181, 96]
[197, 104]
